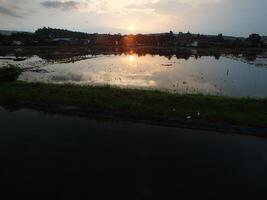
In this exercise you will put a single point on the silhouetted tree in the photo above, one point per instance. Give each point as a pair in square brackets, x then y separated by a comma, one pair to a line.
[237, 43]
[167, 38]
[254, 39]
[220, 38]
[60, 33]
[188, 35]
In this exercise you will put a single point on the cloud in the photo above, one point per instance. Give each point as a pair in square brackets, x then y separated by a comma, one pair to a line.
[10, 8]
[171, 6]
[65, 5]
[9, 12]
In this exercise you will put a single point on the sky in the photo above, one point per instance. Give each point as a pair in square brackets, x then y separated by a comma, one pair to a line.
[230, 17]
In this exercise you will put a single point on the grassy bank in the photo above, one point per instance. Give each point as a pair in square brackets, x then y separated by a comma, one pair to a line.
[249, 112]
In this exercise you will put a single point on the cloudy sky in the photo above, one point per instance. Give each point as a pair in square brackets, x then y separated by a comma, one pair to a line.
[231, 17]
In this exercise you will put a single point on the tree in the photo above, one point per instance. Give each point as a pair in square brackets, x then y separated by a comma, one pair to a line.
[254, 39]
[237, 43]
[188, 34]
[170, 36]
[220, 38]
[167, 38]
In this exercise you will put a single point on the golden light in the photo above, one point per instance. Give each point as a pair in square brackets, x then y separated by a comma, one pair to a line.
[131, 58]
[131, 29]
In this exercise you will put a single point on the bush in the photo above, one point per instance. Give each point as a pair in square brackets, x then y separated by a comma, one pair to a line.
[9, 73]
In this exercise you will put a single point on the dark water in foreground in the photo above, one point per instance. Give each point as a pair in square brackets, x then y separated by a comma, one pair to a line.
[62, 157]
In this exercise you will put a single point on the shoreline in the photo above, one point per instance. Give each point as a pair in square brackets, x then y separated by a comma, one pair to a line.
[216, 113]
[123, 47]
[73, 111]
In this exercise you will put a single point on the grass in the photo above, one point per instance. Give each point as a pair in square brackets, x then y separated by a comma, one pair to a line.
[9, 73]
[143, 103]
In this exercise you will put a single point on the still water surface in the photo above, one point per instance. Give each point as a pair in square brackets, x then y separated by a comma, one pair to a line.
[75, 158]
[217, 75]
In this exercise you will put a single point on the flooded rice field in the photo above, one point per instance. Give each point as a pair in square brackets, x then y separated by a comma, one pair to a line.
[73, 157]
[184, 71]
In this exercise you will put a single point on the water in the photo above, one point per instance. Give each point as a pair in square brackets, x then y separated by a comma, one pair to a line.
[46, 155]
[185, 72]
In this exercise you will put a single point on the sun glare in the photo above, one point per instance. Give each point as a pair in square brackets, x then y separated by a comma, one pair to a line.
[131, 58]
[131, 29]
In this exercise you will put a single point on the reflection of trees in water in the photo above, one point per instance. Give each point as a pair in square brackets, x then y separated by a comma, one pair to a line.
[250, 57]
[77, 53]
[217, 56]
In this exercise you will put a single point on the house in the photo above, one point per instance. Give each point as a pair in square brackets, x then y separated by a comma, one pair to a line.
[61, 41]
[84, 42]
[70, 41]
[203, 42]
[193, 44]
[16, 42]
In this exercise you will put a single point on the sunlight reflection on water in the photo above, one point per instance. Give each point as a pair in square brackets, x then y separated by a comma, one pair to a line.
[207, 75]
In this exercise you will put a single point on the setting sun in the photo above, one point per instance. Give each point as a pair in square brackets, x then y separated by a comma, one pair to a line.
[133, 99]
[131, 28]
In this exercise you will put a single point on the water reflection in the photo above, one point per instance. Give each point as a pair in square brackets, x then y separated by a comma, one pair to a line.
[131, 58]
[175, 70]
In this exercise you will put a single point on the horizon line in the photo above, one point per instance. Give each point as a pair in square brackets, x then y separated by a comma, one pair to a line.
[137, 33]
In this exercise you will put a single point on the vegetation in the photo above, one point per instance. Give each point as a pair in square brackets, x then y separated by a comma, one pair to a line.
[142, 103]
[254, 39]
[220, 38]
[60, 33]
[9, 73]
[52, 36]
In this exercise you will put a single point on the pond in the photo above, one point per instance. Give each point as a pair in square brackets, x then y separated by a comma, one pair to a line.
[185, 71]
[69, 157]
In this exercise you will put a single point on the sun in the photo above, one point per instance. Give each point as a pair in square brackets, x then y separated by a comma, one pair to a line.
[131, 28]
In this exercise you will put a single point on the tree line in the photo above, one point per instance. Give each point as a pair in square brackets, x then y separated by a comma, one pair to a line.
[47, 36]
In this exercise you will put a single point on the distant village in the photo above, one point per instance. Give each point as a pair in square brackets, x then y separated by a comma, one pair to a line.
[49, 36]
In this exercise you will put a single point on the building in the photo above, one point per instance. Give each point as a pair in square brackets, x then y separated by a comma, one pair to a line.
[16, 42]
[61, 41]
[193, 44]
[84, 42]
